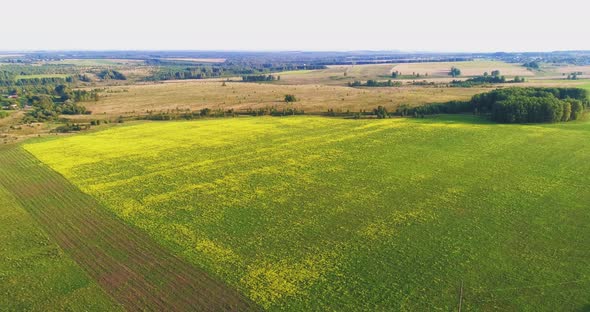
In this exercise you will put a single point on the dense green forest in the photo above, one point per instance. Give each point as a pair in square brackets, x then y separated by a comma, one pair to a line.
[524, 105]
[514, 105]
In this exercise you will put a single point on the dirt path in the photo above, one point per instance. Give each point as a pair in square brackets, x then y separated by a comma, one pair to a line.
[131, 267]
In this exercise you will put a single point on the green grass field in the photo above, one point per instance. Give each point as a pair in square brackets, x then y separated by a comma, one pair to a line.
[35, 274]
[307, 213]
[98, 254]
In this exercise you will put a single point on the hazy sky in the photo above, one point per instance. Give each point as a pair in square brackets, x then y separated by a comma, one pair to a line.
[411, 25]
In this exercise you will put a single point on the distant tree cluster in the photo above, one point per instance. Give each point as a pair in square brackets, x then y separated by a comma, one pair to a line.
[175, 73]
[455, 72]
[7, 81]
[61, 101]
[110, 74]
[84, 78]
[574, 76]
[27, 75]
[514, 105]
[532, 65]
[532, 105]
[258, 78]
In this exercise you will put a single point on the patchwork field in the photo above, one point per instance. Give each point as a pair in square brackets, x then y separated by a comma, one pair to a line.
[307, 213]
[41, 210]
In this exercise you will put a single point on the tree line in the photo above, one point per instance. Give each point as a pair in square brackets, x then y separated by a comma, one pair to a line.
[260, 78]
[172, 71]
[486, 79]
[375, 83]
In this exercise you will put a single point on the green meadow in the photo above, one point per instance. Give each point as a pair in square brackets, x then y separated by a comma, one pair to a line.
[310, 213]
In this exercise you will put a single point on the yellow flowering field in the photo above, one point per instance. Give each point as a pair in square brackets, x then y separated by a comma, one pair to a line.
[310, 213]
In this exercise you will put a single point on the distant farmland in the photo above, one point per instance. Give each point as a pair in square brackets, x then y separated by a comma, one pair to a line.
[467, 68]
[305, 213]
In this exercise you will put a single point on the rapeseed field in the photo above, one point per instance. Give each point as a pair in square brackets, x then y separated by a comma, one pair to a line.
[311, 213]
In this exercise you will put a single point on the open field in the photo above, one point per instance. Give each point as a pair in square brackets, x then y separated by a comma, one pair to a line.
[35, 274]
[568, 69]
[135, 271]
[312, 98]
[475, 68]
[309, 213]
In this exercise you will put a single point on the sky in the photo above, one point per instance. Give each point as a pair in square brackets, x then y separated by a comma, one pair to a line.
[312, 25]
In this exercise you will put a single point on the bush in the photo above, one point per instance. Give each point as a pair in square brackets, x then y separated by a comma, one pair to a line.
[70, 128]
[205, 112]
[289, 98]
[381, 112]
